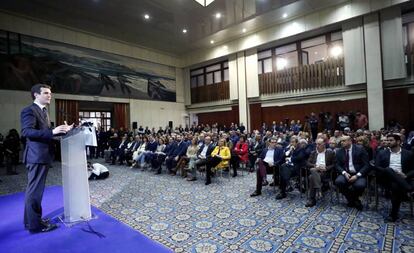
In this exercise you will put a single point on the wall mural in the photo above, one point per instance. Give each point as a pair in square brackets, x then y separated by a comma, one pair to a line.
[26, 60]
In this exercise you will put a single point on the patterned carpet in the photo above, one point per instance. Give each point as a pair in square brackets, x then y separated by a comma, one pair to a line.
[191, 217]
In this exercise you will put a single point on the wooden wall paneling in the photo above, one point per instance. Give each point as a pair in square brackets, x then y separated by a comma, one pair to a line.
[397, 107]
[298, 112]
[255, 116]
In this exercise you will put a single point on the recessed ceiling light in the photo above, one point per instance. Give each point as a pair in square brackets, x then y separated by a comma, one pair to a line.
[211, 41]
[184, 30]
[284, 15]
[146, 16]
[244, 30]
[218, 15]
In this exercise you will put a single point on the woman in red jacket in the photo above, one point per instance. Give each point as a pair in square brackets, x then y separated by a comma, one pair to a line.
[240, 151]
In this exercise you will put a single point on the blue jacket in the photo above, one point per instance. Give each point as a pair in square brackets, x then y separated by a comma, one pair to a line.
[210, 149]
[151, 146]
[278, 155]
[178, 149]
[39, 137]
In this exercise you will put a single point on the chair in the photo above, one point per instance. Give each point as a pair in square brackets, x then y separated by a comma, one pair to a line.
[275, 168]
[243, 166]
[222, 170]
[371, 178]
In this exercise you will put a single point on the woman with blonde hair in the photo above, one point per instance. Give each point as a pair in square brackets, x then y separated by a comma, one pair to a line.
[219, 159]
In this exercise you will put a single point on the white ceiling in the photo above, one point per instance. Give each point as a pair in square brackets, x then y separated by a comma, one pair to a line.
[123, 19]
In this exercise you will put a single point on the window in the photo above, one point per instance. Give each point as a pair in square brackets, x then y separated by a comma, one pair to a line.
[310, 51]
[211, 74]
[99, 119]
[267, 65]
[286, 57]
[209, 79]
[316, 50]
[217, 77]
[265, 61]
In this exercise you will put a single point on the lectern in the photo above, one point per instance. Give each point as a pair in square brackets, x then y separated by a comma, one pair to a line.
[77, 206]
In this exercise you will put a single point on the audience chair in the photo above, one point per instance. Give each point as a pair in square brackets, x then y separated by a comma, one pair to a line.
[223, 171]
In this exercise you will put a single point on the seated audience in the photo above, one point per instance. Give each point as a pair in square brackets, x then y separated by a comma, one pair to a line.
[138, 155]
[240, 154]
[159, 155]
[320, 163]
[255, 149]
[352, 165]
[270, 158]
[219, 159]
[178, 149]
[295, 161]
[395, 165]
[204, 153]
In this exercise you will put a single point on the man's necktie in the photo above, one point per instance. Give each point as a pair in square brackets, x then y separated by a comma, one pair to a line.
[46, 115]
[347, 160]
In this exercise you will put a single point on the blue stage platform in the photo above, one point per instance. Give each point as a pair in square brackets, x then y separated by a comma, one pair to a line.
[115, 236]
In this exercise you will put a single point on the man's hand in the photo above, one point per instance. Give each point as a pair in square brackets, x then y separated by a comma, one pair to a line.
[62, 129]
[321, 168]
[401, 174]
[353, 179]
[347, 176]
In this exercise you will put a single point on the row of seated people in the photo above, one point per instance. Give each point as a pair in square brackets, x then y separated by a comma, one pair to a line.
[288, 158]
[178, 152]
[393, 166]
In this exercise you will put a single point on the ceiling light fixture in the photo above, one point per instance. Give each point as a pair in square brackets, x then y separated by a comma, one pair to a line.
[204, 2]
[146, 16]
[211, 41]
[218, 15]
[244, 30]
[184, 30]
[284, 15]
[336, 51]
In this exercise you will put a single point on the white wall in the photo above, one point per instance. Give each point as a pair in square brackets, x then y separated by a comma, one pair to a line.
[12, 103]
[156, 114]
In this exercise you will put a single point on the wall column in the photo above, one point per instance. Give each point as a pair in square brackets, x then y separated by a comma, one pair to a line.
[375, 96]
[243, 103]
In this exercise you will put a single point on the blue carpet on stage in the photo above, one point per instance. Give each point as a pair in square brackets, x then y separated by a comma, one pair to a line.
[118, 237]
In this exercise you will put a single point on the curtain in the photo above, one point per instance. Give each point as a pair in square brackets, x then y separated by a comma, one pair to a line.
[120, 116]
[67, 110]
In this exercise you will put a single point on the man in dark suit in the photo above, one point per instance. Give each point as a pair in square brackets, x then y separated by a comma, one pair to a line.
[295, 158]
[270, 157]
[179, 149]
[255, 149]
[395, 167]
[320, 162]
[352, 165]
[38, 155]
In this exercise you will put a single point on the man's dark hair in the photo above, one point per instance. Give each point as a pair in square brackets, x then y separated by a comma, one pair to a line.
[396, 137]
[37, 88]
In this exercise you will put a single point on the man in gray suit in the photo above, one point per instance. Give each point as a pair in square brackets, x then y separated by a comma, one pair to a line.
[37, 155]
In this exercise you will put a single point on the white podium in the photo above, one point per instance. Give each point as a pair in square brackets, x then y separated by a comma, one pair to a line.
[77, 206]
